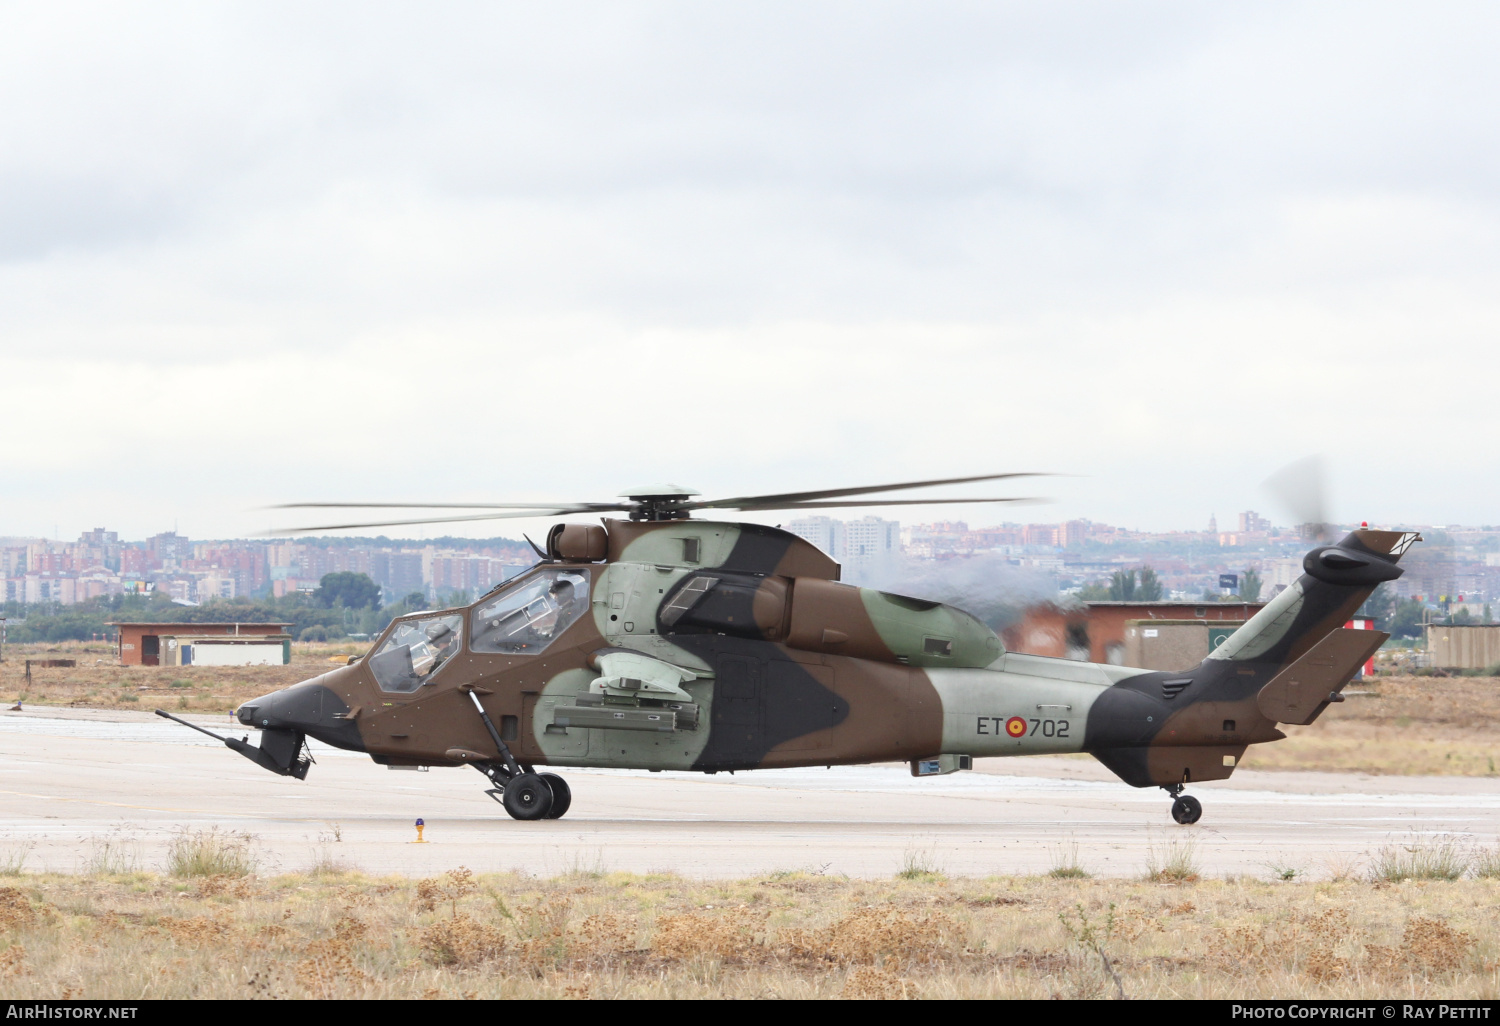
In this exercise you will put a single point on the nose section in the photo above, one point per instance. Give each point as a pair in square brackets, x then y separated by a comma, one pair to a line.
[312, 707]
[295, 708]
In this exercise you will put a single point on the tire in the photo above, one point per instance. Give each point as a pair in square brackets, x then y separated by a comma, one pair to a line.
[1187, 810]
[562, 795]
[527, 796]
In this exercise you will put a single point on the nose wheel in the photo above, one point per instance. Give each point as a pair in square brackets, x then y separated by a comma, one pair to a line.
[1185, 808]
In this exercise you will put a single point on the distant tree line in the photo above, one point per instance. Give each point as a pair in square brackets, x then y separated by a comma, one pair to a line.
[1126, 586]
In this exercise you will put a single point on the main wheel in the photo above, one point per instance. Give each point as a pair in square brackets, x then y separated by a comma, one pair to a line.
[562, 795]
[1187, 809]
[527, 796]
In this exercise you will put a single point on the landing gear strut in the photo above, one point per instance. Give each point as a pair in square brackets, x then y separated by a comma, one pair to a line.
[1185, 808]
[524, 793]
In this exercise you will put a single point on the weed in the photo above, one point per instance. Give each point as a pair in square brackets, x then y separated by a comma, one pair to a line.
[1440, 858]
[591, 869]
[460, 941]
[918, 864]
[326, 864]
[13, 858]
[13, 961]
[1342, 867]
[1281, 872]
[1176, 862]
[1065, 864]
[228, 886]
[17, 910]
[729, 936]
[867, 983]
[1484, 863]
[210, 853]
[1429, 945]
[1094, 938]
[111, 857]
[870, 936]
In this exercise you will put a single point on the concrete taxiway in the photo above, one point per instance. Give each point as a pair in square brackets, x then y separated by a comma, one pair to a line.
[71, 780]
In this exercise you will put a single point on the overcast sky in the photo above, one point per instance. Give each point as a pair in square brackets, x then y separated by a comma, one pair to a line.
[264, 253]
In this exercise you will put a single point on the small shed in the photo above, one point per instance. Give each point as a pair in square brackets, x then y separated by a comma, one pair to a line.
[1469, 647]
[1174, 644]
[204, 644]
[1095, 631]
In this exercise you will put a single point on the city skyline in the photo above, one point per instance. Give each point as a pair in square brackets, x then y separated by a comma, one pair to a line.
[1458, 564]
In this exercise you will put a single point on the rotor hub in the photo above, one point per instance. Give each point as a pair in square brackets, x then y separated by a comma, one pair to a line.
[659, 502]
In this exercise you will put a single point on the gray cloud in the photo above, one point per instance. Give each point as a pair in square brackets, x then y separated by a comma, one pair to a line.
[1167, 246]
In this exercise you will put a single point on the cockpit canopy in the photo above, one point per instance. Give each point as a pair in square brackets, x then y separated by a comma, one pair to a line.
[529, 614]
[415, 649]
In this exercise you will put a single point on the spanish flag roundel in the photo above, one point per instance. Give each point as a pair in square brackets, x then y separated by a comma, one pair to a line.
[1015, 726]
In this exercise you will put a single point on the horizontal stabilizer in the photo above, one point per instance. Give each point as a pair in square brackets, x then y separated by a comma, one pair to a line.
[1299, 693]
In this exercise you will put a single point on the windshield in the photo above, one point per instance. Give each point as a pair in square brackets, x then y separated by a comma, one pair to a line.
[415, 650]
[529, 615]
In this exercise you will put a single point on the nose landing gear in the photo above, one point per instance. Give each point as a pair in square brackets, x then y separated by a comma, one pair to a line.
[1185, 808]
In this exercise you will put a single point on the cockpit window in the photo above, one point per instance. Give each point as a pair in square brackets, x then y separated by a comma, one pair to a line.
[529, 615]
[415, 650]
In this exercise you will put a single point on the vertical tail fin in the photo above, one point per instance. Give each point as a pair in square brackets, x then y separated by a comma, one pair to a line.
[1283, 666]
[1337, 580]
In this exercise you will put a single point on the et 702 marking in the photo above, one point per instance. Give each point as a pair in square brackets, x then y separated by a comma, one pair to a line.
[1016, 726]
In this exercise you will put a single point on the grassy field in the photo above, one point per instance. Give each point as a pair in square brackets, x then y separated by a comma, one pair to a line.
[1399, 725]
[208, 928]
[1402, 725]
[99, 682]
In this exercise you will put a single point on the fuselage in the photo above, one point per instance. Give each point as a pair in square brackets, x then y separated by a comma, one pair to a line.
[695, 645]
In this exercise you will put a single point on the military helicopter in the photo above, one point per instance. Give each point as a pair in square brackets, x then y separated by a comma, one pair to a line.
[664, 642]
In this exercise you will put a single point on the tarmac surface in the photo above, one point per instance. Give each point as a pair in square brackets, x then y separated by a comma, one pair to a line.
[73, 781]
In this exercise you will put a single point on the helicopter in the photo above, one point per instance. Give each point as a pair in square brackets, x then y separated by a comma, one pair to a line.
[659, 641]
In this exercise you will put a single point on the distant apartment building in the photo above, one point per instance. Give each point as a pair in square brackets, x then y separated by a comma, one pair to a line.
[1252, 522]
[856, 544]
[826, 533]
[871, 542]
[168, 549]
[1278, 575]
[1045, 535]
[1075, 534]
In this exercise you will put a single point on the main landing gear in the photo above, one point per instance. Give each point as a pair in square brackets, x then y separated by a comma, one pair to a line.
[1185, 808]
[525, 793]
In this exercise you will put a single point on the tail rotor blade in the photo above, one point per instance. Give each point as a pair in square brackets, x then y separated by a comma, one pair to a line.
[1302, 489]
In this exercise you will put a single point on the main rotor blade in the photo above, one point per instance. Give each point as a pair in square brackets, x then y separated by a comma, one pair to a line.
[884, 502]
[582, 507]
[445, 520]
[760, 501]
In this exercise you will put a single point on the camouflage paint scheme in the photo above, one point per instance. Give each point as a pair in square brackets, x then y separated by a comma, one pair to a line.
[774, 663]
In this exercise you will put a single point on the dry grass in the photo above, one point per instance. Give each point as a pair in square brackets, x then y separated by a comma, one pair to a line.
[791, 935]
[1173, 861]
[99, 682]
[210, 853]
[1443, 726]
[1065, 863]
